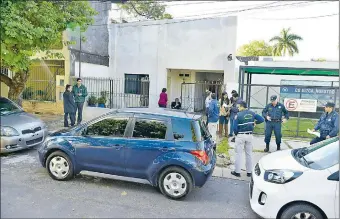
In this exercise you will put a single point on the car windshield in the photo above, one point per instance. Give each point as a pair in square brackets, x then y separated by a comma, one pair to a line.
[321, 155]
[8, 107]
[201, 131]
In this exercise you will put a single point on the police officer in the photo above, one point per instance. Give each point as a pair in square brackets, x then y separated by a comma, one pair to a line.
[243, 127]
[274, 113]
[328, 124]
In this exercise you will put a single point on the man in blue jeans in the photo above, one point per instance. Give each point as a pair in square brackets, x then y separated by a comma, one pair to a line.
[213, 116]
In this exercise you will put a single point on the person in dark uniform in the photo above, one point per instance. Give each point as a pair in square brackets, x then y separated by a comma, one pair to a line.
[328, 124]
[243, 128]
[69, 106]
[274, 114]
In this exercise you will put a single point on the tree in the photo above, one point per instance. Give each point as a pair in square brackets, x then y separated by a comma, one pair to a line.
[149, 8]
[255, 48]
[29, 27]
[285, 43]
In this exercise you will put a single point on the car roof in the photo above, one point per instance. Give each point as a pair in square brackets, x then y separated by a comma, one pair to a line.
[161, 112]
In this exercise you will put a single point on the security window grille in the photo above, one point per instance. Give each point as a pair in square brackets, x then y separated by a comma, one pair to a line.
[133, 83]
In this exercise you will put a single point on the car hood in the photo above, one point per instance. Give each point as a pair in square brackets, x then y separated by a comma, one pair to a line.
[281, 160]
[18, 119]
[61, 132]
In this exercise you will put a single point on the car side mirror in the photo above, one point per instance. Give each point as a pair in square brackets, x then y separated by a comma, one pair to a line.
[178, 136]
[334, 176]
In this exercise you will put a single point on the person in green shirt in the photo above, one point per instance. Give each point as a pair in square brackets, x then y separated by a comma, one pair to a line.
[80, 93]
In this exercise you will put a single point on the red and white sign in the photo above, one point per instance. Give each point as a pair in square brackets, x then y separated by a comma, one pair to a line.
[300, 105]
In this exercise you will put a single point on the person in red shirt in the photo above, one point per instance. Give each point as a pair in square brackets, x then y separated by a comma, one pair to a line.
[163, 99]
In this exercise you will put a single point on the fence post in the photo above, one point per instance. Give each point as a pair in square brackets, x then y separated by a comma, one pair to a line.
[298, 120]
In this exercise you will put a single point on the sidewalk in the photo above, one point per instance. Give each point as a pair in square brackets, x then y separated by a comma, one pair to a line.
[258, 147]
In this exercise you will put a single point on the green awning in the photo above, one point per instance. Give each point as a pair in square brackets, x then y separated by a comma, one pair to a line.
[291, 71]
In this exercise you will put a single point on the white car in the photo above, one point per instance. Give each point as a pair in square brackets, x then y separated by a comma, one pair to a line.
[298, 183]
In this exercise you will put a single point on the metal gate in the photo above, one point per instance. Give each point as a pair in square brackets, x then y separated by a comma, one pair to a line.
[193, 95]
[257, 97]
[119, 93]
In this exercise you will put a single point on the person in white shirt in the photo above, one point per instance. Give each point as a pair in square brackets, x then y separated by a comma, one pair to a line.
[207, 102]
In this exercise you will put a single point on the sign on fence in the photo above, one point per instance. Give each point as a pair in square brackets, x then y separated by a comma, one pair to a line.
[322, 94]
[300, 105]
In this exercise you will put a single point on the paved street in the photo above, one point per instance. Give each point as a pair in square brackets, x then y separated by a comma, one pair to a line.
[28, 191]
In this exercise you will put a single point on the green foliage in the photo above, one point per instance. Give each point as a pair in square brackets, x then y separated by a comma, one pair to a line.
[27, 94]
[255, 48]
[92, 100]
[223, 147]
[28, 27]
[285, 43]
[149, 8]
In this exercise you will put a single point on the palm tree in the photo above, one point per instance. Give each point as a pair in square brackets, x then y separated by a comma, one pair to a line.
[285, 42]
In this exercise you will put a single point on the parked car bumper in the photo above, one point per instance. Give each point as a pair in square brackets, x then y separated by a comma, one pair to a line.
[272, 204]
[23, 141]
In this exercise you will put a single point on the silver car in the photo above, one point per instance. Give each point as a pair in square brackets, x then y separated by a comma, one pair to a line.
[19, 130]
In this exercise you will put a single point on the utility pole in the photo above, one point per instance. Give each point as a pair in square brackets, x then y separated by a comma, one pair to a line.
[79, 52]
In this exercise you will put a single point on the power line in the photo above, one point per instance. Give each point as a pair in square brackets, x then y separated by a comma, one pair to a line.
[298, 18]
[206, 18]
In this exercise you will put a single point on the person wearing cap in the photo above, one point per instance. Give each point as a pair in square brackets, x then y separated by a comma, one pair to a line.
[328, 125]
[233, 111]
[274, 114]
[213, 116]
[243, 126]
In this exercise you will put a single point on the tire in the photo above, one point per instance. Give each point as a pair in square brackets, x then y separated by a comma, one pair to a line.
[62, 164]
[296, 209]
[179, 183]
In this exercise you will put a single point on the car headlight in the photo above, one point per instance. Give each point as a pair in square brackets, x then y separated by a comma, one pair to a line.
[281, 176]
[8, 131]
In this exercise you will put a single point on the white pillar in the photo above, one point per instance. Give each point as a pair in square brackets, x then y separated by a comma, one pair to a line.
[230, 75]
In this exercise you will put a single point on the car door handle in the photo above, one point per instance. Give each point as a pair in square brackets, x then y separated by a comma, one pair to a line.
[118, 146]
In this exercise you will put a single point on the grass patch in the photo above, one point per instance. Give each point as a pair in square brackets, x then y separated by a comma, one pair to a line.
[223, 147]
[291, 128]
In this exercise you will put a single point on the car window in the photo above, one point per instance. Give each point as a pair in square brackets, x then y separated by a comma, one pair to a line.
[200, 130]
[114, 127]
[183, 130]
[7, 107]
[145, 128]
[324, 155]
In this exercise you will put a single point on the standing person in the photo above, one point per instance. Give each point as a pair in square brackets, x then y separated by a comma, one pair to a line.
[176, 104]
[224, 114]
[69, 106]
[163, 99]
[274, 113]
[213, 115]
[80, 93]
[207, 102]
[233, 112]
[328, 124]
[243, 127]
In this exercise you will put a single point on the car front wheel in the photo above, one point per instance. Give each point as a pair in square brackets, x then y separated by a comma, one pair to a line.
[59, 166]
[301, 211]
[175, 183]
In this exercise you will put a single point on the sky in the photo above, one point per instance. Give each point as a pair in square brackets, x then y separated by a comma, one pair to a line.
[320, 35]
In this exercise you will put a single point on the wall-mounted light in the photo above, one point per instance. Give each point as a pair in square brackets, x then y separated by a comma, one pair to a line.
[230, 57]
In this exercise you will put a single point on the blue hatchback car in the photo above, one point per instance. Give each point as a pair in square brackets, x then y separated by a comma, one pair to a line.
[171, 149]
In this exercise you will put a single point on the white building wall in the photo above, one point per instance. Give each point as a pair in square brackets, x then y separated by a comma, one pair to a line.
[91, 70]
[152, 47]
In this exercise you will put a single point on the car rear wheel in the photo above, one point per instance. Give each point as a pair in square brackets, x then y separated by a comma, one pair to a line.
[175, 183]
[59, 166]
[303, 211]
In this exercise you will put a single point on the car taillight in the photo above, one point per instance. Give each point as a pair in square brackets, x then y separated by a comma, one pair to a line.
[202, 155]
